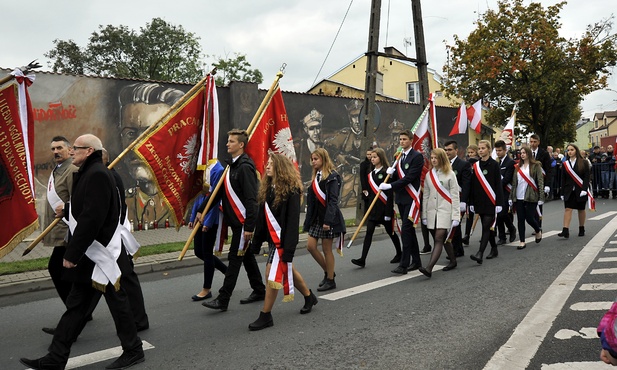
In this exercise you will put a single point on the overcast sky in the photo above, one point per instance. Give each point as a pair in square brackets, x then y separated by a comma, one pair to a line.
[272, 32]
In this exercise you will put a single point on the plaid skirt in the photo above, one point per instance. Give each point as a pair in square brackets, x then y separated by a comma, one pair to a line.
[316, 231]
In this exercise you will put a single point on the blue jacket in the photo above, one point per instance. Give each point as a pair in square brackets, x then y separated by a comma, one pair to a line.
[212, 217]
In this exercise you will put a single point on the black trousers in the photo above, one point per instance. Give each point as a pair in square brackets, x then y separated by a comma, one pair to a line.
[204, 247]
[526, 211]
[81, 298]
[370, 230]
[457, 241]
[233, 269]
[504, 220]
[411, 251]
[56, 270]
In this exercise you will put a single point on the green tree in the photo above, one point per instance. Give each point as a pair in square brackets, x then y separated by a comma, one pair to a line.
[159, 51]
[236, 69]
[515, 54]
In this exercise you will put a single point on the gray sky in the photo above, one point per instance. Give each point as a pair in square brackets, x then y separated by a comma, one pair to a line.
[272, 32]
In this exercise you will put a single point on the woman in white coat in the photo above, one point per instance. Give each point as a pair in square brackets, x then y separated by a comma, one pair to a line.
[440, 210]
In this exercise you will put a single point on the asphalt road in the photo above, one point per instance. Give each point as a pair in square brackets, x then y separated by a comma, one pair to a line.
[461, 319]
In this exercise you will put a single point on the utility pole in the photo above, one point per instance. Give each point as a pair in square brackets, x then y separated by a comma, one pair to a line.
[370, 88]
[418, 32]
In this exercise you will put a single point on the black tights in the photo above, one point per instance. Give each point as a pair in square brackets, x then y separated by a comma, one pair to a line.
[439, 236]
[488, 235]
[368, 238]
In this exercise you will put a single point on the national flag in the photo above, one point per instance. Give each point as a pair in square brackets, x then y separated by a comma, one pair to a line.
[507, 135]
[474, 114]
[460, 126]
[422, 140]
[171, 152]
[210, 127]
[271, 134]
[17, 200]
[433, 123]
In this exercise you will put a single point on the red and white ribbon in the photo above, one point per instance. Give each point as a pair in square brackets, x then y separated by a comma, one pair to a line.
[527, 179]
[27, 121]
[281, 273]
[319, 194]
[240, 212]
[382, 196]
[414, 211]
[445, 194]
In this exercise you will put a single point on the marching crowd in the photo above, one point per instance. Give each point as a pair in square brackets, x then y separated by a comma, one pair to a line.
[95, 260]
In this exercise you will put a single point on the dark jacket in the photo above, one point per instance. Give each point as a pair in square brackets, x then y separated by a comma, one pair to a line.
[243, 179]
[462, 170]
[545, 159]
[95, 204]
[331, 214]
[568, 185]
[477, 196]
[365, 167]
[412, 167]
[380, 210]
[287, 214]
[506, 168]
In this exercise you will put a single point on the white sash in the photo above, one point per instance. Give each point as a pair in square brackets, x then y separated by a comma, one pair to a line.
[234, 200]
[484, 182]
[529, 180]
[414, 210]
[281, 275]
[52, 197]
[570, 170]
[445, 194]
[382, 196]
[321, 196]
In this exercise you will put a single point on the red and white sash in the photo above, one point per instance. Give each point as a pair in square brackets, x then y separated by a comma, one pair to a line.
[221, 233]
[445, 194]
[414, 210]
[484, 182]
[382, 196]
[319, 194]
[591, 201]
[281, 273]
[240, 212]
[530, 181]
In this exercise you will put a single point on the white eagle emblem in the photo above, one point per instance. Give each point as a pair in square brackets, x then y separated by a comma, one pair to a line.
[283, 143]
[188, 158]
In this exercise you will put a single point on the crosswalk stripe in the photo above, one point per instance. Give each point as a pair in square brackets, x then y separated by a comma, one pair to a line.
[523, 345]
[603, 216]
[612, 242]
[373, 285]
[587, 365]
[104, 355]
[607, 259]
[608, 250]
[612, 270]
[585, 333]
[591, 306]
[598, 286]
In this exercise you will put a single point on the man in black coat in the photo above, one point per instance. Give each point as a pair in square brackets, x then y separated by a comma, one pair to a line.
[407, 174]
[91, 260]
[542, 156]
[462, 170]
[242, 193]
[365, 168]
[506, 166]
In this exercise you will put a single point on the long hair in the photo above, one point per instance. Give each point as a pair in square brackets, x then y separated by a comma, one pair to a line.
[381, 154]
[581, 163]
[530, 159]
[327, 167]
[442, 158]
[285, 179]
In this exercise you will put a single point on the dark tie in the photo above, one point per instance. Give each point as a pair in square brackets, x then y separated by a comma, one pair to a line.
[534, 155]
[318, 176]
[404, 156]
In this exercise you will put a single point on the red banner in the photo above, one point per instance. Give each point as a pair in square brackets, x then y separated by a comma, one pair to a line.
[17, 202]
[171, 151]
[272, 134]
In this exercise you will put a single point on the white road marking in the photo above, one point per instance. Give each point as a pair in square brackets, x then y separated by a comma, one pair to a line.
[599, 365]
[608, 250]
[591, 306]
[603, 216]
[374, 285]
[612, 242]
[607, 259]
[585, 333]
[604, 271]
[522, 346]
[599, 286]
[104, 355]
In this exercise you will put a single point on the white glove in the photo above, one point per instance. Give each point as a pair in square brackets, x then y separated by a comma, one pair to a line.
[386, 218]
[463, 207]
[365, 192]
[498, 209]
[583, 193]
[424, 221]
[455, 223]
[471, 208]
[562, 197]
[390, 170]
[547, 189]
[540, 202]
[384, 186]
[510, 202]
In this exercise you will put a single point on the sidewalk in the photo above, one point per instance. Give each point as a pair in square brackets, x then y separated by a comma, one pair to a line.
[39, 280]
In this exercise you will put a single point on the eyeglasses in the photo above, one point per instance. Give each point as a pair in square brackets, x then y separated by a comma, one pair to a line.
[81, 147]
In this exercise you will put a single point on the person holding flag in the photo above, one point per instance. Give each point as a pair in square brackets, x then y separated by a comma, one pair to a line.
[575, 187]
[441, 208]
[240, 213]
[383, 210]
[486, 198]
[527, 193]
[278, 220]
[406, 173]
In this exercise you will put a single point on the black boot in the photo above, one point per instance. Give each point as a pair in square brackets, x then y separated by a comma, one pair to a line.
[325, 277]
[309, 302]
[329, 284]
[264, 321]
[581, 231]
[565, 233]
[358, 262]
[494, 253]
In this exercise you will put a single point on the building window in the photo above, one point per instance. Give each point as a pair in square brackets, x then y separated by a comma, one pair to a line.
[413, 92]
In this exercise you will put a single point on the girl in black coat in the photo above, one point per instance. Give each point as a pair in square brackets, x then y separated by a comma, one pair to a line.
[480, 202]
[278, 220]
[383, 210]
[574, 185]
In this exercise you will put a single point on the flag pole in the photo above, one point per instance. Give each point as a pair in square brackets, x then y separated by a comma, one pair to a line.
[258, 114]
[25, 69]
[173, 108]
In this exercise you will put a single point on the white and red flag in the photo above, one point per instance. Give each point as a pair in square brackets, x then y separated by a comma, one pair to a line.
[460, 126]
[271, 134]
[433, 123]
[474, 114]
[507, 135]
[210, 127]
